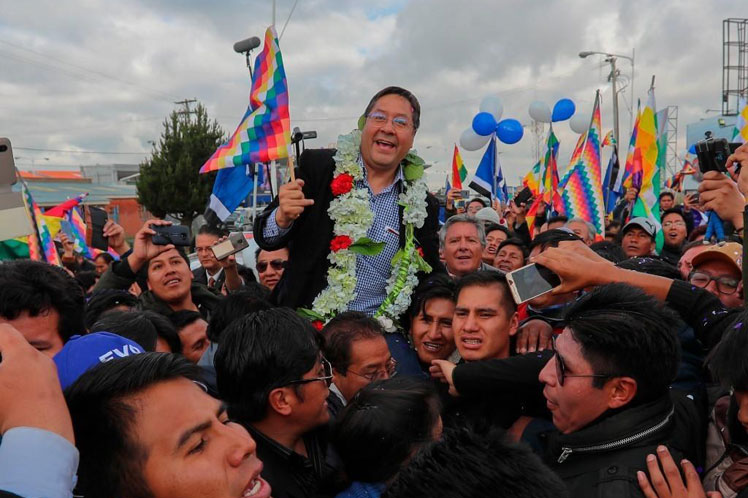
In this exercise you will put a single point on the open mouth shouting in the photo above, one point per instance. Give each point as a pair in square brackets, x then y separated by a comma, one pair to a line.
[257, 487]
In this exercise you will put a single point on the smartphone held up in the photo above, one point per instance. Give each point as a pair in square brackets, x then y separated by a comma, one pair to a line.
[531, 281]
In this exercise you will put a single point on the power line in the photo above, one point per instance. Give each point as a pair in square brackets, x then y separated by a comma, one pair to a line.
[59, 65]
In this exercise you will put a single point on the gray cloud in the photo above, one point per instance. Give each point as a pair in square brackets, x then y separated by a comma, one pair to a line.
[103, 75]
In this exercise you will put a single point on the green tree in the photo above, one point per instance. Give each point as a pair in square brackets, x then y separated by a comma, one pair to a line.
[169, 182]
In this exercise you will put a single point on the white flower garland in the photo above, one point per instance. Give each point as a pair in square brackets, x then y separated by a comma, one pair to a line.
[352, 218]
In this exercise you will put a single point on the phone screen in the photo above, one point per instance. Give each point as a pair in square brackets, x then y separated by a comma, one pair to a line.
[532, 281]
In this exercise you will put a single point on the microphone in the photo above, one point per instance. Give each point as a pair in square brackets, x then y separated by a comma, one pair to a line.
[247, 45]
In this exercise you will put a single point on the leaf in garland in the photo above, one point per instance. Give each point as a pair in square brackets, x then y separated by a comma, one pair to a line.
[413, 171]
[397, 257]
[309, 314]
[361, 122]
[366, 247]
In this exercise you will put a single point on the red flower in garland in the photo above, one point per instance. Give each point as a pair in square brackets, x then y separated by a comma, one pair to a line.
[317, 324]
[340, 242]
[420, 251]
[341, 184]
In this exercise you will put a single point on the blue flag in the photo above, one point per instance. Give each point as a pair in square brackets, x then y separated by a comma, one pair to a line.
[231, 187]
[484, 181]
[612, 188]
[501, 191]
[443, 209]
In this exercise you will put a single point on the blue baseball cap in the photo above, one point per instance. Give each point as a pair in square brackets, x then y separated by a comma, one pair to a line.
[83, 352]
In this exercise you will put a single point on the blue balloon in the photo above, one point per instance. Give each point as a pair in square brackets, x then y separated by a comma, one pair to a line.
[484, 123]
[509, 131]
[563, 110]
[692, 149]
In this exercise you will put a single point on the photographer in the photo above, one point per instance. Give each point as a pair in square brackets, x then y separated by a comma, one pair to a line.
[170, 281]
[722, 194]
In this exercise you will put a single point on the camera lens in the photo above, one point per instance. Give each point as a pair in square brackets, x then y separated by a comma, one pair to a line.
[3, 148]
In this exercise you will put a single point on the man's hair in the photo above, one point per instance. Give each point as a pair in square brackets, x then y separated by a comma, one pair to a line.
[651, 266]
[487, 278]
[663, 194]
[342, 331]
[232, 307]
[35, 287]
[103, 411]
[478, 200]
[728, 360]
[435, 286]
[688, 220]
[492, 227]
[551, 238]
[590, 227]
[609, 250]
[182, 318]
[105, 256]
[143, 327]
[261, 352]
[102, 301]
[514, 241]
[214, 230]
[466, 464]
[557, 219]
[462, 218]
[613, 224]
[624, 332]
[402, 92]
[383, 425]
[697, 232]
[86, 279]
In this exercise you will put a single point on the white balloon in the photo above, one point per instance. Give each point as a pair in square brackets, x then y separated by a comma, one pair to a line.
[579, 122]
[469, 140]
[493, 105]
[539, 111]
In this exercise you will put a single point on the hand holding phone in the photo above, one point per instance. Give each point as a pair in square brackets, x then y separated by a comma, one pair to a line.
[531, 281]
[98, 220]
[235, 243]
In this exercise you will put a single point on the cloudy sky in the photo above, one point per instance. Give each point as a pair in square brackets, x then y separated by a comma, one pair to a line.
[81, 78]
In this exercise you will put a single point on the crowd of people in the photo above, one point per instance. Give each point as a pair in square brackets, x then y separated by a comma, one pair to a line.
[139, 377]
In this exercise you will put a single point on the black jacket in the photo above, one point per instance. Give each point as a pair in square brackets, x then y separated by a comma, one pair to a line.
[308, 241]
[583, 459]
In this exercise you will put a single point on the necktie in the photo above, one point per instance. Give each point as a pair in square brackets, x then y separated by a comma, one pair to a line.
[211, 282]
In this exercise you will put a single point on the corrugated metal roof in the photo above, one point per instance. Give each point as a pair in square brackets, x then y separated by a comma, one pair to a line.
[52, 193]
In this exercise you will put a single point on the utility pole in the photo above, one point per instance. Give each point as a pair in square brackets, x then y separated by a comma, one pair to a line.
[613, 77]
[186, 112]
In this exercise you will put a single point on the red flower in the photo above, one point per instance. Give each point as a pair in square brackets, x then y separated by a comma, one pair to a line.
[340, 242]
[420, 251]
[317, 324]
[341, 184]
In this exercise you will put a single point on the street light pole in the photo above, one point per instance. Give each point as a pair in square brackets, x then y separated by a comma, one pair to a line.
[611, 58]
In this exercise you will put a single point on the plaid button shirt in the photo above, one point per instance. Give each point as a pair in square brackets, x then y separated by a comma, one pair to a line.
[372, 272]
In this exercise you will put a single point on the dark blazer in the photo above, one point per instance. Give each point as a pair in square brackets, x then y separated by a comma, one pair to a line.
[201, 276]
[309, 239]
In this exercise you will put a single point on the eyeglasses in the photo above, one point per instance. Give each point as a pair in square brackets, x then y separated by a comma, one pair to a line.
[725, 285]
[380, 119]
[276, 264]
[326, 377]
[389, 371]
[561, 368]
[669, 224]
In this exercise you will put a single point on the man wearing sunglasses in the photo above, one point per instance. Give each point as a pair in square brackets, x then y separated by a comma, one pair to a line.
[270, 266]
[298, 218]
[606, 387]
[270, 372]
[719, 269]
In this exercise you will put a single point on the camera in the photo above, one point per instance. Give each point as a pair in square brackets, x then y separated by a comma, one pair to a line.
[713, 154]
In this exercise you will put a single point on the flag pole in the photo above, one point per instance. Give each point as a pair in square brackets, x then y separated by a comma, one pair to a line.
[254, 191]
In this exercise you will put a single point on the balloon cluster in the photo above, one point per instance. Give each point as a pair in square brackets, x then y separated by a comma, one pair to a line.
[563, 110]
[487, 122]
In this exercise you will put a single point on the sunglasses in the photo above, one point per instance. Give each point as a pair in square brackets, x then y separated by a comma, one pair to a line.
[276, 264]
[561, 368]
[326, 376]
